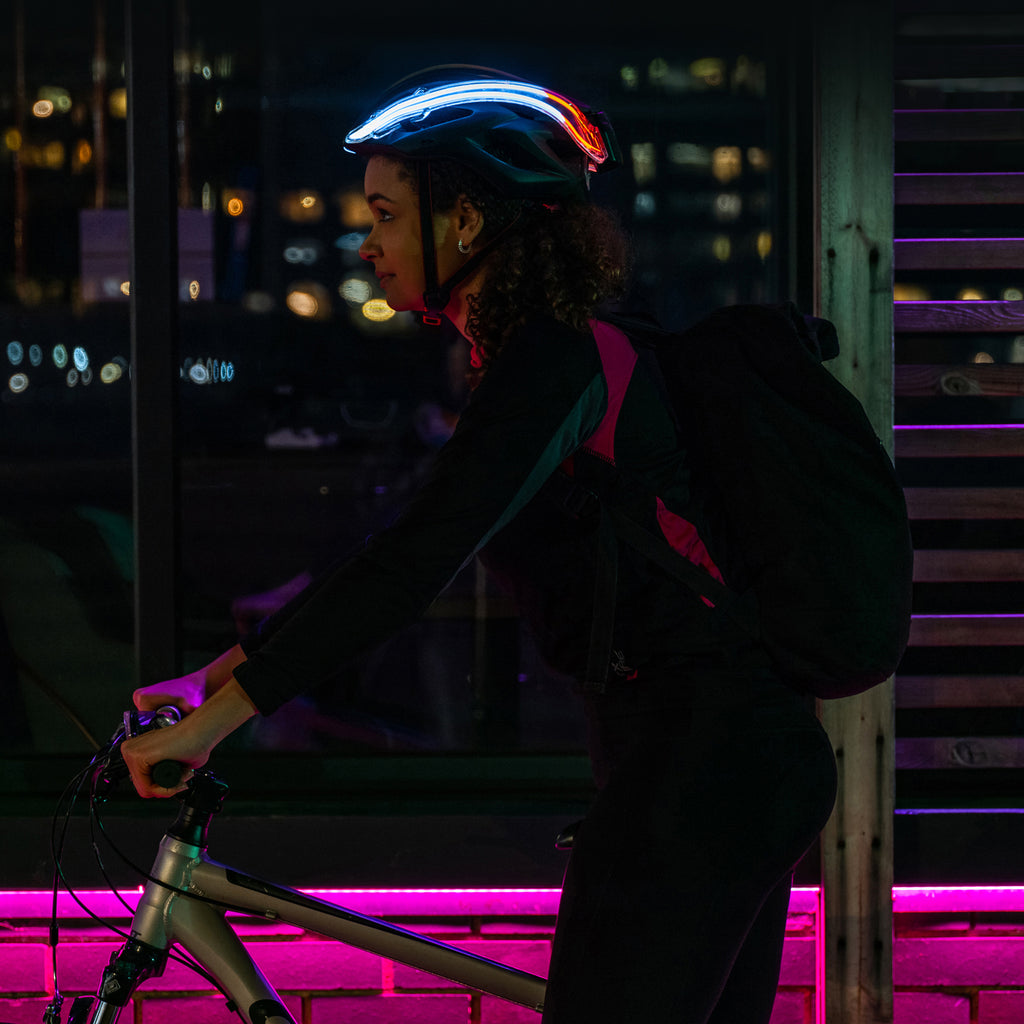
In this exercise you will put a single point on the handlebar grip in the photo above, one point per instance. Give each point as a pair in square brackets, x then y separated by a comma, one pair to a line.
[168, 774]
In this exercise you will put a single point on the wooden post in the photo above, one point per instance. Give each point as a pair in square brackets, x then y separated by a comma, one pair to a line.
[854, 188]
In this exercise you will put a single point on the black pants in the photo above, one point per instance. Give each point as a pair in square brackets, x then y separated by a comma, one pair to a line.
[712, 785]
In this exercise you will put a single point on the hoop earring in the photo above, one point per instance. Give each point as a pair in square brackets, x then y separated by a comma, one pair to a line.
[465, 249]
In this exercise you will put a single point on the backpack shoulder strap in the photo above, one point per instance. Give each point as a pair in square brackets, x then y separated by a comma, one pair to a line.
[618, 360]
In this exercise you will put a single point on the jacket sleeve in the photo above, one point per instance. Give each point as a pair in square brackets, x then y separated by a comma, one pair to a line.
[541, 398]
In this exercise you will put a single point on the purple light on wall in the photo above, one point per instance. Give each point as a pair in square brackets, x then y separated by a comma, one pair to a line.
[958, 426]
[1010, 238]
[973, 615]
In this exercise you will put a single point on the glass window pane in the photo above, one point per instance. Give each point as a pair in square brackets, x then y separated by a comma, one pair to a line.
[66, 646]
[311, 413]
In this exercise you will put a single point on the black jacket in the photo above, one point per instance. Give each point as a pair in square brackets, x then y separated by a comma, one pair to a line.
[541, 399]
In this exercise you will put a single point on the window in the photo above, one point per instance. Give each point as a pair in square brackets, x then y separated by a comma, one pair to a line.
[308, 413]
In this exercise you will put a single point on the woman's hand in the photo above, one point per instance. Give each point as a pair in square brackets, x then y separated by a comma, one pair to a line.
[190, 741]
[186, 693]
[178, 743]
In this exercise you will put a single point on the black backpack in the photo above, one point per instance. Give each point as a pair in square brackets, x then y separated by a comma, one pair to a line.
[805, 517]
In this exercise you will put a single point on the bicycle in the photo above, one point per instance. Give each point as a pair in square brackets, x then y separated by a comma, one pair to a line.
[187, 895]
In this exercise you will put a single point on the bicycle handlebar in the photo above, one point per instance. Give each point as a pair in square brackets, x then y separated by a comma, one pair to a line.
[165, 773]
[112, 767]
[168, 773]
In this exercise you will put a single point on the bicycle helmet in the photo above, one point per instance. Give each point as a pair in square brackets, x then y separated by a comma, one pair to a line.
[527, 142]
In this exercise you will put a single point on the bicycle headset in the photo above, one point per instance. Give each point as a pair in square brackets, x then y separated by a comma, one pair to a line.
[527, 142]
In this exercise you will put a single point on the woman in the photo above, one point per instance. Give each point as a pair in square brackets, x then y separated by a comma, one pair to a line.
[713, 778]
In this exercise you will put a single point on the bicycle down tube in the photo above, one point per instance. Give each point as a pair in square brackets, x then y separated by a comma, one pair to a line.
[183, 903]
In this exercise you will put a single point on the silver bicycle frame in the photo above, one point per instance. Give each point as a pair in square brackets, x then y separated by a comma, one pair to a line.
[180, 906]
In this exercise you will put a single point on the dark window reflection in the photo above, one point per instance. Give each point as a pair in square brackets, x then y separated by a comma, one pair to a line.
[309, 412]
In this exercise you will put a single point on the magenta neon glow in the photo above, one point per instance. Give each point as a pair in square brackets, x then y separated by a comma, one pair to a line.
[959, 426]
[497, 902]
[972, 615]
[961, 239]
[35, 903]
[961, 174]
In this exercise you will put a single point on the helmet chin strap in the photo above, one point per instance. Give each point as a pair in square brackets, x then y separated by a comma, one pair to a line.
[435, 298]
[435, 295]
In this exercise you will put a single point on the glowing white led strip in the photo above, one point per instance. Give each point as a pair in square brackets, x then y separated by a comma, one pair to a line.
[423, 102]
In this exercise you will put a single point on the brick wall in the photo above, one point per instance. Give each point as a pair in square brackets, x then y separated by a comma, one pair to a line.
[323, 982]
[958, 956]
[958, 959]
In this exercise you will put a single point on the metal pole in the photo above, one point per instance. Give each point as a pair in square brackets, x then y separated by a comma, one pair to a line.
[152, 211]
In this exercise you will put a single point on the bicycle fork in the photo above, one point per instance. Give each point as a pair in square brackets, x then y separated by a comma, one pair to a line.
[127, 969]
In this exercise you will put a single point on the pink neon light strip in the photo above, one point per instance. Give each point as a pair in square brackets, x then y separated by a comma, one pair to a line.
[961, 174]
[35, 903]
[959, 426]
[974, 615]
[961, 239]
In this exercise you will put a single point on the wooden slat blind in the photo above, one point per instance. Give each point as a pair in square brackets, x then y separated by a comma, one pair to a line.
[923, 380]
[965, 502]
[974, 691]
[959, 189]
[988, 125]
[958, 253]
[960, 424]
[958, 317]
[945, 442]
[975, 566]
[1006, 630]
[938, 60]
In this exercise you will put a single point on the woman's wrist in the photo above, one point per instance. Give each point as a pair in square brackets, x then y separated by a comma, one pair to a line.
[221, 713]
[220, 671]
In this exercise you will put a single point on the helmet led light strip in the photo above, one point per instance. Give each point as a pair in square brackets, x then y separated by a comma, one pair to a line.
[423, 102]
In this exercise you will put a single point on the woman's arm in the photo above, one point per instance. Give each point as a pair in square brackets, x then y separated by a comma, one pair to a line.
[187, 693]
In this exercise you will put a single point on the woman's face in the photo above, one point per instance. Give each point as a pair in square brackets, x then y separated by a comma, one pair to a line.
[394, 245]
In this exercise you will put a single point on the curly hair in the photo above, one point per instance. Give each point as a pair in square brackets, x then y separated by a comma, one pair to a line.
[561, 260]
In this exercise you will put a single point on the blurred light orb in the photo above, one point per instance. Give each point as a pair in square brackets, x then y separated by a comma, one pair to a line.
[355, 290]
[309, 300]
[377, 310]
[109, 372]
[726, 163]
[119, 102]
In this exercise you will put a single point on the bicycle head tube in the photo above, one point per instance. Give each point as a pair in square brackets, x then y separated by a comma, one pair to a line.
[200, 802]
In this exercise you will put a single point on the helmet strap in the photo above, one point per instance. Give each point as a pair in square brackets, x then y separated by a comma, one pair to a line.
[435, 298]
